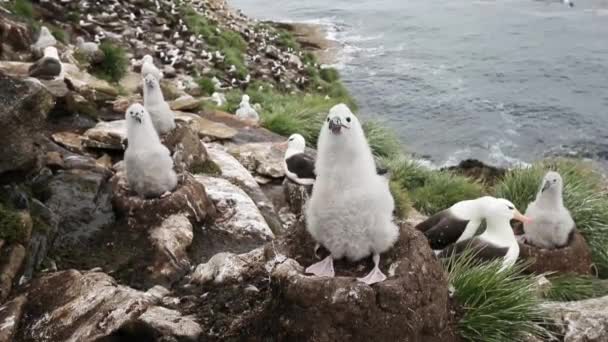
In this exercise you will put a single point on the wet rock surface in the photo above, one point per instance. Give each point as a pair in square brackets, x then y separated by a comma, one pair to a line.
[24, 106]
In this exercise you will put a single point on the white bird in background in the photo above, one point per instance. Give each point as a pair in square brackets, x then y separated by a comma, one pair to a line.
[148, 68]
[245, 110]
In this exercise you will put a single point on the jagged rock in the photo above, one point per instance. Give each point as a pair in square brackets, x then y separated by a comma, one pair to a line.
[131, 84]
[76, 103]
[107, 135]
[10, 315]
[91, 306]
[122, 103]
[23, 112]
[69, 140]
[245, 133]
[297, 195]
[239, 226]
[15, 34]
[411, 305]
[171, 323]
[89, 86]
[185, 103]
[12, 260]
[476, 169]
[207, 128]
[227, 267]
[580, 321]
[574, 258]
[236, 173]
[54, 160]
[189, 153]
[82, 201]
[189, 198]
[56, 87]
[265, 159]
[45, 229]
[170, 240]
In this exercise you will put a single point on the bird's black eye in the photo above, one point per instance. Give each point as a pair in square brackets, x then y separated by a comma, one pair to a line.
[327, 119]
[510, 207]
[348, 119]
[291, 139]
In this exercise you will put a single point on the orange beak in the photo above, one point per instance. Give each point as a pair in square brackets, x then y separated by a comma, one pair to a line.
[283, 145]
[519, 217]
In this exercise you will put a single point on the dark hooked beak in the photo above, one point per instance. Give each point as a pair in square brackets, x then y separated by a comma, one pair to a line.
[335, 125]
[138, 119]
[546, 186]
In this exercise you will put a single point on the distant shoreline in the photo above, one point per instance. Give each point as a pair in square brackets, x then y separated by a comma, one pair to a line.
[313, 37]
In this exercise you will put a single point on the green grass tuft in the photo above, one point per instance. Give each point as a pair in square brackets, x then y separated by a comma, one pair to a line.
[383, 141]
[235, 57]
[571, 287]
[206, 85]
[22, 8]
[286, 39]
[59, 33]
[11, 228]
[583, 196]
[403, 204]
[329, 75]
[499, 306]
[442, 190]
[407, 173]
[114, 65]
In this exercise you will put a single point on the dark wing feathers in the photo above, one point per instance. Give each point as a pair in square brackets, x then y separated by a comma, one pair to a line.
[442, 229]
[302, 165]
[484, 251]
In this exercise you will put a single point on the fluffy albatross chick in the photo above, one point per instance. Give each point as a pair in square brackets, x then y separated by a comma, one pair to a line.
[350, 210]
[552, 225]
[48, 67]
[245, 110]
[148, 162]
[45, 39]
[299, 167]
[498, 240]
[148, 68]
[163, 117]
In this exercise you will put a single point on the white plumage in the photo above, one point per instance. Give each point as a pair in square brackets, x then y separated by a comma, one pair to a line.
[148, 162]
[245, 110]
[163, 117]
[148, 68]
[45, 39]
[350, 210]
[552, 223]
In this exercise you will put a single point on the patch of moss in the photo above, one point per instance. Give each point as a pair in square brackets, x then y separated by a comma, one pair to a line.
[329, 75]
[59, 33]
[114, 65]
[209, 167]
[11, 227]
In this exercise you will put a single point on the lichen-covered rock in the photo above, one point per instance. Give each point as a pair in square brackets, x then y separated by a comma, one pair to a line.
[75, 306]
[107, 135]
[185, 103]
[24, 107]
[10, 315]
[207, 128]
[574, 258]
[236, 173]
[411, 305]
[189, 153]
[238, 215]
[189, 198]
[11, 261]
[170, 241]
[297, 195]
[265, 159]
[227, 267]
[580, 321]
[171, 323]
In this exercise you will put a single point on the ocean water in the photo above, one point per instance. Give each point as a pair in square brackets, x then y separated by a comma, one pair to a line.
[506, 81]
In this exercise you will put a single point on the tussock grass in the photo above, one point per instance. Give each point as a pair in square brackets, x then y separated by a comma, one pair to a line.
[22, 9]
[59, 33]
[583, 196]
[114, 65]
[499, 306]
[382, 140]
[403, 204]
[571, 287]
[443, 189]
[206, 85]
[10, 225]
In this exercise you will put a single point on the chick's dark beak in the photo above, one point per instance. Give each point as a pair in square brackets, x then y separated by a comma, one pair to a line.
[546, 186]
[335, 125]
[138, 119]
